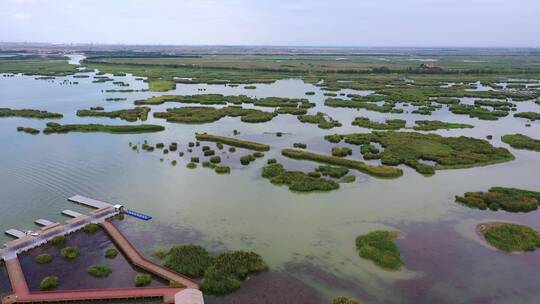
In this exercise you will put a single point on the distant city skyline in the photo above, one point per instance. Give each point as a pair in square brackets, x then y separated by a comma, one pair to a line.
[368, 23]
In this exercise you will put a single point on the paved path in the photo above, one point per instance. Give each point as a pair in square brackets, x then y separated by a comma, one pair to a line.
[137, 259]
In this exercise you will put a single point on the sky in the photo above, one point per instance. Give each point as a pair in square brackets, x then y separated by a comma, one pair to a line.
[360, 23]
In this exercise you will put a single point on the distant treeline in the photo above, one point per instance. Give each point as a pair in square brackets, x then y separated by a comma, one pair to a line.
[134, 54]
[377, 70]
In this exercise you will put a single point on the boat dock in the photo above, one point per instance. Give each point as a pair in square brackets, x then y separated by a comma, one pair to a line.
[15, 233]
[45, 223]
[71, 213]
[89, 202]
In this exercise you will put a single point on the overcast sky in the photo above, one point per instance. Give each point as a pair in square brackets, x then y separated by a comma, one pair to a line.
[274, 22]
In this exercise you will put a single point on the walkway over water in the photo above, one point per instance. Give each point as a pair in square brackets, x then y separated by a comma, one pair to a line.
[138, 260]
[90, 202]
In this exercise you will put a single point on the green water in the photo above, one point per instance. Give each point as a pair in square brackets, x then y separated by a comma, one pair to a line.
[243, 211]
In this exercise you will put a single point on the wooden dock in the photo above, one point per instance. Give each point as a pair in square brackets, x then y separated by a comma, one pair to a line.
[89, 202]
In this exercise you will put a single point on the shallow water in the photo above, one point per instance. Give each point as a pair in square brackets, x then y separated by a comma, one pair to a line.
[306, 239]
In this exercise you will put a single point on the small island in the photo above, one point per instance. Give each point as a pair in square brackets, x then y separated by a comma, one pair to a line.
[510, 237]
[507, 199]
[379, 247]
[520, 141]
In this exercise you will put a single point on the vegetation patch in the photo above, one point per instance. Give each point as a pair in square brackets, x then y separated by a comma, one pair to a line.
[161, 85]
[335, 172]
[228, 269]
[508, 199]
[59, 240]
[511, 237]
[28, 130]
[379, 247]
[232, 142]
[91, 228]
[70, 253]
[29, 113]
[222, 274]
[389, 124]
[142, 279]
[432, 125]
[99, 271]
[296, 180]
[190, 260]
[528, 115]
[341, 151]
[377, 171]
[520, 141]
[127, 114]
[322, 120]
[343, 300]
[198, 115]
[44, 258]
[126, 129]
[218, 99]
[111, 253]
[413, 149]
[49, 283]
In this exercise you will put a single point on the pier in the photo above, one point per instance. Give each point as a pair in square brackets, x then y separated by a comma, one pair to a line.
[186, 293]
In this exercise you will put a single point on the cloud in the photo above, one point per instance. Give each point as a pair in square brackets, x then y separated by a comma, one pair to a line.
[20, 16]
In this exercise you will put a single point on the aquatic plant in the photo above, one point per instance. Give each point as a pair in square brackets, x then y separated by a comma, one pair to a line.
[299, 145]
[508, 199]
[70, 253]
[191, 165]
[99, 271]
[228, 269]
[349, 179]
[389, 124]
[432, 125]
[511, 237]
[379, 247]
[322, 120]
[111, 253]
[528, 115]
[520, 141]
[296, 180]
[377, 171]
[412, 148]
[115, 129]
[58, 240]
[44, 258]
[341, 151]
[246, 159]
[222, 169]
[29, 113]
[49, 283]
[142, 279]
[190, 260]
[343, 300]
[335, 172]
[195, 159]
[91, 228]
[232, 142]
[215, 159]
[199, 115]
[137, 113]
[28, 130]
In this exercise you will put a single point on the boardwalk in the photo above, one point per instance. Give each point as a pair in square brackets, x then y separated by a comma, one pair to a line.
[164, 293]
[137, 259]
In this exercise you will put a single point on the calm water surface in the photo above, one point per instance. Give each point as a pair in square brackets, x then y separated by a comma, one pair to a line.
[308, 240]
